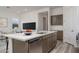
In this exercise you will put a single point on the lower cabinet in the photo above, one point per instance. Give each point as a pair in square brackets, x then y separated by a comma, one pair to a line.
[49, 42]
[19, 46]
[60, 35]
[52, 40]
[44, 44]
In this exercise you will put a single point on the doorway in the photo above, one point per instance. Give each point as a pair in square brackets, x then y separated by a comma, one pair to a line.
[43, 21]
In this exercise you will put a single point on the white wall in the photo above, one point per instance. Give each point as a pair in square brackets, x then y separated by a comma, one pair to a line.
[57, 11]
[29, 17]
[71, 24]
[33, 17]
[9, 16]
[40, 21]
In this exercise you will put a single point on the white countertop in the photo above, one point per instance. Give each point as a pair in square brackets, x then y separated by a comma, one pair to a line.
[23, 37]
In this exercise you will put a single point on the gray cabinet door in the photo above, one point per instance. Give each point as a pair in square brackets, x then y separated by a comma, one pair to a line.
[44, 44]
[19, 46]
[52, 40]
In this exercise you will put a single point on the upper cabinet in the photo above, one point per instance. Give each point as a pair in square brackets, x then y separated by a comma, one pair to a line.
[57, 19]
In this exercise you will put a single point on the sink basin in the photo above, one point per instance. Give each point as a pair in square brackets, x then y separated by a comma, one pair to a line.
[41, 32]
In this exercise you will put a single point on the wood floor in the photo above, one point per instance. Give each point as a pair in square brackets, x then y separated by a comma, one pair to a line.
[64, 48]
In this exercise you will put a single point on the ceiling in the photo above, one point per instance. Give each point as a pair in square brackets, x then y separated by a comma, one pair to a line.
[20, 9]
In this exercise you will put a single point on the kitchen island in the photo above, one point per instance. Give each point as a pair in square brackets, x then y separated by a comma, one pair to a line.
[20, 43]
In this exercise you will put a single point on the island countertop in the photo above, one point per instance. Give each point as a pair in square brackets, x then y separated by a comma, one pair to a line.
[23, 37]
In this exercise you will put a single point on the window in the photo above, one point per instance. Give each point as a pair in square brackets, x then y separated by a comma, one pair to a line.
[57, 20]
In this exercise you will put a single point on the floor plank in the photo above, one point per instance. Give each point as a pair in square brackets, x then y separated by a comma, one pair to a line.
[64, 48]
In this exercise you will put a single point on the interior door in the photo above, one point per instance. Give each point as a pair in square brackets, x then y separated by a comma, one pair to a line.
[43, 21]
[45, 24]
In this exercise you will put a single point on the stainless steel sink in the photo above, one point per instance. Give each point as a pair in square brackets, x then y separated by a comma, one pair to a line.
[41, 33]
